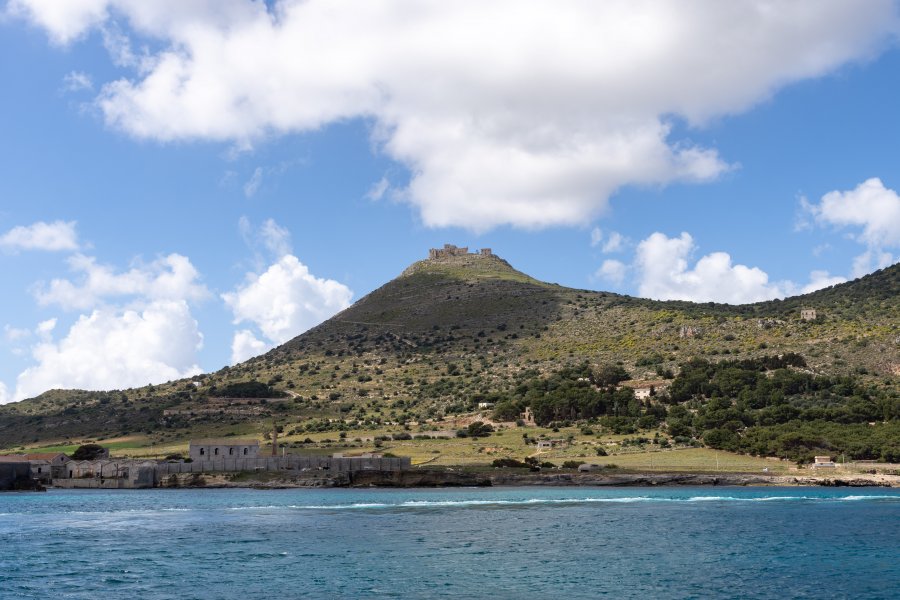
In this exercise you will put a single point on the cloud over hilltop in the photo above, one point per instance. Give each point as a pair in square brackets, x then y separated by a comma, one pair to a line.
[511, 112]
[871, 209]
[284, 301]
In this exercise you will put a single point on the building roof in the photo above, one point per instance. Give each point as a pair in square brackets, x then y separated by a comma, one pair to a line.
[224, 442]
[22, 458]
[45, 455]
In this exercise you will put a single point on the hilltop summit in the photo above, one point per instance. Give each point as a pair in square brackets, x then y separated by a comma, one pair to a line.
[450, 251]
[458, 263]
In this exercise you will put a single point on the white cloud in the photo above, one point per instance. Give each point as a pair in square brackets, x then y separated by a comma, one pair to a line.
[172, 277]
[873, 210]
[871, 260]
[63, 21]
[76, 81]
[870, 206]
[55, 236]
[118, 45]
[508, 112]
[664, 271]
[286, 300]
[4, 394]
[113, 349]
[15, 334]
[821, 279]
[246, 345]
[596, 236]
[252, 185]
[613, 271]
[268, 241]
[378, 189]
[614, 243]
[276, 238]
[665, 274]
[44, 329]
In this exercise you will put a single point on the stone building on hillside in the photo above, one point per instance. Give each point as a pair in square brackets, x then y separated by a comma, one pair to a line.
[56, 460]
[215, 449]
[808, 314]
[450, 250]
[44, 466]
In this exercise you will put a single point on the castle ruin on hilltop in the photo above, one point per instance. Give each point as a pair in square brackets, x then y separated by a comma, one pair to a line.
[450, 250]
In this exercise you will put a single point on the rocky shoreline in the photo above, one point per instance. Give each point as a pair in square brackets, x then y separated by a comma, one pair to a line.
[435, 478]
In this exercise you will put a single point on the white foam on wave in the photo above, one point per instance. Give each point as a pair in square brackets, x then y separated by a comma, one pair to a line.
[426, 504]
[872, 497]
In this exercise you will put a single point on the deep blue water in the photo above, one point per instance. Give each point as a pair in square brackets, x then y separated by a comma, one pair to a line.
[469, 543]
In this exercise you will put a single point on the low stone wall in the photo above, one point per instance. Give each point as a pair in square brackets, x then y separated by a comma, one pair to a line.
[131, 474]
[93, 483]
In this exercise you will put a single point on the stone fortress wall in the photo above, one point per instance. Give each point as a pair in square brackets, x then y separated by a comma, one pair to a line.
[449, 250]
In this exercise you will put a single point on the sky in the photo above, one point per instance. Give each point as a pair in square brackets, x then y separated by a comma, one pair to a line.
[187, 184]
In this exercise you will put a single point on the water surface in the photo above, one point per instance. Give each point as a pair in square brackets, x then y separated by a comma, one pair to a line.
[465, 543]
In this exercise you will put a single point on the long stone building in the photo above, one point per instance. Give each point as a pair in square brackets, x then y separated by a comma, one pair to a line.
[215, 449]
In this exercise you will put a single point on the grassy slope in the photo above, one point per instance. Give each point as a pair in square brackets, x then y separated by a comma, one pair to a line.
[386, 358]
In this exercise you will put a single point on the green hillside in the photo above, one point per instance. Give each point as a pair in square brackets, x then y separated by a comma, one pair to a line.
[450, 332]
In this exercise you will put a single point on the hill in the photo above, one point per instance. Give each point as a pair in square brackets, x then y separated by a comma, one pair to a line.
[455, 330]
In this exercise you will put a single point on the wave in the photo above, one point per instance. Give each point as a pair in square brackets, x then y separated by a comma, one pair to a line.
[429, 504]
[489, 502]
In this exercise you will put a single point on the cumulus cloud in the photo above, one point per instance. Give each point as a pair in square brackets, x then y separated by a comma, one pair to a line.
[285, 301]
[872, 210]
[172, 277]
[55, 236]
[871, 260]
[821, 279]
[246, 345]
[614, 243]
[613, 271]
[609, 243]
[664, 273]
[4, 394]
[112, 348]
[665, 269]
[869, 206]
[267, 242]
[509, 112]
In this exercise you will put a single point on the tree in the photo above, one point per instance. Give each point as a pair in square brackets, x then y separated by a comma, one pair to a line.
[475, 430]
[89, 452]
[609, 375]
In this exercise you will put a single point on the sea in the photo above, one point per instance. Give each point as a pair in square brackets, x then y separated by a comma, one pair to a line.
[542, 543]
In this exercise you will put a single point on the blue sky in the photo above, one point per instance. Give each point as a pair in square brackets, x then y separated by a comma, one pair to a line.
[187, 184]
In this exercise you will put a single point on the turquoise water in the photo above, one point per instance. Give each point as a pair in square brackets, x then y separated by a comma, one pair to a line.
[467, 543]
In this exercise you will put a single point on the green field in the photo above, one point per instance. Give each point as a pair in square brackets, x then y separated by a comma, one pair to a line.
[468, 452]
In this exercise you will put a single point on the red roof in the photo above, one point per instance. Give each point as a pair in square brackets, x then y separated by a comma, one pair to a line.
[45, 456]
